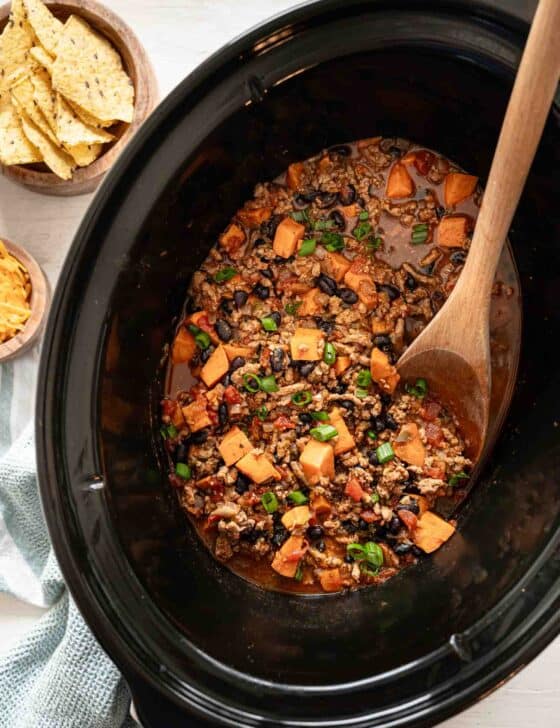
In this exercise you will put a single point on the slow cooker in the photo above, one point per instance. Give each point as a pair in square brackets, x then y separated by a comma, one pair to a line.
[197, 644]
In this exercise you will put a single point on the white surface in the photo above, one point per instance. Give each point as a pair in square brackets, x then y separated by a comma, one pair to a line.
[178, 35]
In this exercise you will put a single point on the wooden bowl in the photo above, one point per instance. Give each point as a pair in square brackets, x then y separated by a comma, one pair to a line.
[40, 295]
[136, 63]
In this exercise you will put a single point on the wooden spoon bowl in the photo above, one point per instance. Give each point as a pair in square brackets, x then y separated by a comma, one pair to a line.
[136, 63]
[40, 295]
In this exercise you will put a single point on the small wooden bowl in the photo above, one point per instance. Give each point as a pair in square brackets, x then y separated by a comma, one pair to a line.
[138, 67]
[40, 295]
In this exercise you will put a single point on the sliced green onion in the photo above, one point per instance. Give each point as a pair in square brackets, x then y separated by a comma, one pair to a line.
[320, 416]
[269, 324]
[297, 497]
[183, 470]
[300, 399]
[171, 431]
[269, 501]
[361, 230]
[370, 554]
[298, 576]
[322, 225]
[361, 393]
[364, 215]
[374, 243]
[291, 308]
[201, 337]
[329, 354]
[251, 382]
[375, 497]
[268, 384]
[455, 479]
[372, 435]
[323, 432]
[307, 247]
[332, 242]
[364, 378]
[262, 413]
[385, 453]
[225, 274]
[419, 234]
[300, 215]
[355, 550]
[419, 390]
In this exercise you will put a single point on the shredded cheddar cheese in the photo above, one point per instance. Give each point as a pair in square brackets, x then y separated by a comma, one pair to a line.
[15, 291]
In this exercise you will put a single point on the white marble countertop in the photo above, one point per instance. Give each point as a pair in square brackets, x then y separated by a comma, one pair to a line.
[178, 35]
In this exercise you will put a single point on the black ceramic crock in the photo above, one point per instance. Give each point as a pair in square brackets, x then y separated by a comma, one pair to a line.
[197, 643]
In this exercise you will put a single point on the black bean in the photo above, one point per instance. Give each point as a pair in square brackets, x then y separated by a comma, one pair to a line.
[395, 152]
[240, 298]
[340, 150]
[458, 257]
[279, 536]
[372, 457]
[437, 299]
[277, 360]
[258, 242]
[346, 403]
[181, 452]
[226, 379]
[200, 437]
[379, 423]
[380, 533]
[226, 305]
[413, 507]
[205, 354]
[315, 532]
[391, 291]
[391, 423]
[260, 291]
[268, 228]
[361, 202]
[402, 548]
[362, 525]
[440, 212]
[326, 284]
[382, 340]
[385, 398]
[224, 330]
[281, 261]
[223, 413]
[324, 324]
[236, 363]
[395, 525]
[306, 368]
[410, 488]
[349, 559]
[300, 201]
[347, 295]
[347, 194]
[429, 269]
[251, 535]
[325, 199]
[411, 283]
[276, 316]
[242, 484]
[305, 417]
[320, 546]
[340, 388]
[416, 551]
[349, 525]
[338, 219]
[267, 273]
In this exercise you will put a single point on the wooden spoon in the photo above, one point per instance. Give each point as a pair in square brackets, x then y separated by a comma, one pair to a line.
[453, 352]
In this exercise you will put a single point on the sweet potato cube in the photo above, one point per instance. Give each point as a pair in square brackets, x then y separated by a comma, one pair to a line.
[258, 468]
[310, 303]
[350, 211]
[336, 266]
[235, 350]
[408, 446]
[177, 418]
[215, 367]
[184, 347]
[317, 461]
[431, 532]
[382, 371]
[304, 344]
[294, 175]
[252, 217]
[234, 446]
[232, 239]
[196, 416]
[354, 490]
[287, 558]
[298, 516]
[320, 505]
[400, 183]
[330, 579]
[458, 187]
[341, 364]
[360, 281]
[287, 236]
[452, 231]
[344, 441]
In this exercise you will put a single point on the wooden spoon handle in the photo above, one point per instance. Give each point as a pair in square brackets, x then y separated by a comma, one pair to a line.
[526, 114]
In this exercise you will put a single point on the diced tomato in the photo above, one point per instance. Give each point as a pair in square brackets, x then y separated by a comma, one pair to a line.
[282, 423]
[255, 429]
[369, 516]
[212, 415]
[434, 434]
[354, 490]
[204, 324]
[296, 555]
[436, 471]
[209, 483]
[168, 407]
[211, 522]
[231, 395]
[423, 161]
[430, 410]
[176, 481]
[408, 518]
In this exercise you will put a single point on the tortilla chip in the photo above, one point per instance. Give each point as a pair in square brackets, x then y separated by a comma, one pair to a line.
[60, 162]
[89, 71]
[23, 100]
[40, 56]
[88, 118]
[44, 96]
[46, 27]
[15, 147]
[85, 154]
[71, 130]
[15, 42]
